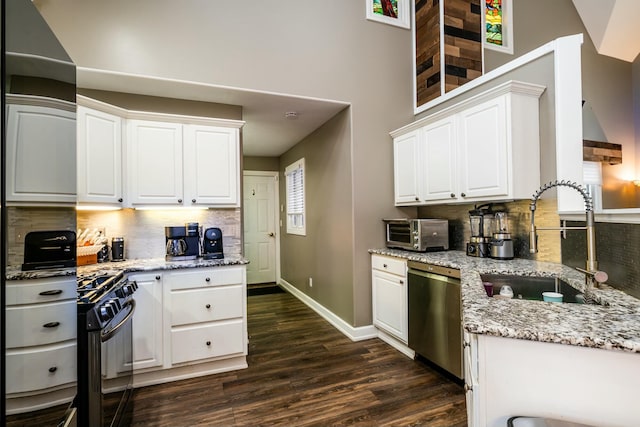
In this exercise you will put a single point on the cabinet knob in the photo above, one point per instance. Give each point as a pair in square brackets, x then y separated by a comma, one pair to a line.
[157, 277]
[120, 200]
[402, 282]
[208, 279]
[179, 200]
[51, 324]
[51, 292]
[53, 369]
[417, 199]
[384, 265]
[463, 194]
[208, 306]
[208, 343]
[453, 195]
[193, 200]
[467, 388]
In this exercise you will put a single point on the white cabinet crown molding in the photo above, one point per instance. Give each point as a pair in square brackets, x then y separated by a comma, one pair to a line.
[40, 101]
[153, 116]
[511, 86]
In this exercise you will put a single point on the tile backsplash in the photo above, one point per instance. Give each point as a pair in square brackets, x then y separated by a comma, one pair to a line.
[519, 224]
[143, 230]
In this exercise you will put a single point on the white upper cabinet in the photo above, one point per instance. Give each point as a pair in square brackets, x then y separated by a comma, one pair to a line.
[99, 157]
[211, 165]
[134, 159]
[40, 156]
[438, 157]
[484, 148]
[154, 163]
[406, 168]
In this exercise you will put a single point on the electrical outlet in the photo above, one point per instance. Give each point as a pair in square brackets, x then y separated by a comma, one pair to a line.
[310, 282]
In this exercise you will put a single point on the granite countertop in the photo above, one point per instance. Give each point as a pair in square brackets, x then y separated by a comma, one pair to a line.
[127, 266]
[613, 325]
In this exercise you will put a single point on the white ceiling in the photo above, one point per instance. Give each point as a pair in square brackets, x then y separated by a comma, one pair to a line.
[266, 133]
[613, 25]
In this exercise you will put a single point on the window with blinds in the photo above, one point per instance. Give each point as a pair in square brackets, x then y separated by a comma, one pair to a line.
[294, 174]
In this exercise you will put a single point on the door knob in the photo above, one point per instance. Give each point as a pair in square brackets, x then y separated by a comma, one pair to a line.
[271, 234]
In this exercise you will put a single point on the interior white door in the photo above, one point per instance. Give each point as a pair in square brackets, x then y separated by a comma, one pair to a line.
[260, 227]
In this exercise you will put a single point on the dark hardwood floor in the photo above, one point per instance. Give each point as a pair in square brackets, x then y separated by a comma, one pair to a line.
[303, 372]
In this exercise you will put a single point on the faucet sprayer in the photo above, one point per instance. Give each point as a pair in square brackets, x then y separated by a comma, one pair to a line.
[593, 276]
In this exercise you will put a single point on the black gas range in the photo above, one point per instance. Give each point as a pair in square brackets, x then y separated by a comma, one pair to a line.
[106, 306]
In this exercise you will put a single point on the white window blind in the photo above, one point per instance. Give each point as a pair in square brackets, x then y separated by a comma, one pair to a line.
[294, 174]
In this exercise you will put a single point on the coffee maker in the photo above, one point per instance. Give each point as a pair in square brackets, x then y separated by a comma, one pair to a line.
[182, 242]
[480, 219]
[501, 245]
[212, 244]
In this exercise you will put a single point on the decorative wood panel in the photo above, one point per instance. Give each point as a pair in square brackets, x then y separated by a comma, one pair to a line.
[460, 52]
[605, 152]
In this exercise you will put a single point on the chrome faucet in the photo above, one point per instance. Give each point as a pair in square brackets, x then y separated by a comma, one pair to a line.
[593, 277]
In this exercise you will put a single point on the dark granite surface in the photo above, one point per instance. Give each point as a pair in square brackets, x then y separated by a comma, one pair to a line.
[127, 266]
[614, 325]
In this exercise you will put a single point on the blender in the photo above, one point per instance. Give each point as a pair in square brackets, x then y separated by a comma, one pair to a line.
[480, 219]
[501, 245]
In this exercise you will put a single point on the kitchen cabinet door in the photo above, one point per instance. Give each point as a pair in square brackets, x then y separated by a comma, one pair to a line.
[439, 168]
[211, 166]
[148, 326]
[407, 168]
[154, 163]
[484, 160]
[389, 294]
[40, 156]
[99, 157]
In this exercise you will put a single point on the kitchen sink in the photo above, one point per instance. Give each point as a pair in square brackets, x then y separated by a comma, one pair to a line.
[532, 287]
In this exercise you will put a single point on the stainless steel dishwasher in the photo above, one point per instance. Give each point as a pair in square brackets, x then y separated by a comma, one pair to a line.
[435, 317]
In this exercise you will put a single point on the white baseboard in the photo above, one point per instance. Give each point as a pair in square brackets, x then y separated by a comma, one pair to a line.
[393, 342]
[359, 333]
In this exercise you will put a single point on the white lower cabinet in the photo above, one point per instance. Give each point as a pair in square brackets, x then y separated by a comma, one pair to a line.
[208, 313]
[389, 295]
[148, 334]
[187, 323]
[41, 343]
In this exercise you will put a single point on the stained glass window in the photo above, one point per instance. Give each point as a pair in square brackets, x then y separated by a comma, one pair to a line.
[498, 21]
[493, 22]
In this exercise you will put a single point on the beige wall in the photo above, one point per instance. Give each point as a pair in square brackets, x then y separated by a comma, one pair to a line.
[606, 83]
[325, 253]
[260, 163]
[325, 50]
[158, 104]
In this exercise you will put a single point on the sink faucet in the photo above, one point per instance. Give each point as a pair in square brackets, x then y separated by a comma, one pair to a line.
[593, 277]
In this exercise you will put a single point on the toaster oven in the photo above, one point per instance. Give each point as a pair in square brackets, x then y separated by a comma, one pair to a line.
[418, 235]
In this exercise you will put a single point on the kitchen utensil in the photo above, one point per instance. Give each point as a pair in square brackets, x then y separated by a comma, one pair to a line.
[117, 249]
[212, 244]
[506, 291]
[49, 249]
[182, 242]
[552, 296]
[480, 221]
[176, 247]
[501, 245]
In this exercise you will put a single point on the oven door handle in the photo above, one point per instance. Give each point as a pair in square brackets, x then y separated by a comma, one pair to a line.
[106, 336]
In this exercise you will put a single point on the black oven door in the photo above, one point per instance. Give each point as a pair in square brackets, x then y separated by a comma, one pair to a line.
[117, 339]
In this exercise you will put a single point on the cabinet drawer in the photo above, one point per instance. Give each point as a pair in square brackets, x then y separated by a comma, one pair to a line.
[42, 368]
[390, 265]
[199, 278]
[204, 341]
[40, 290]
[206, 305]
[26, 324]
